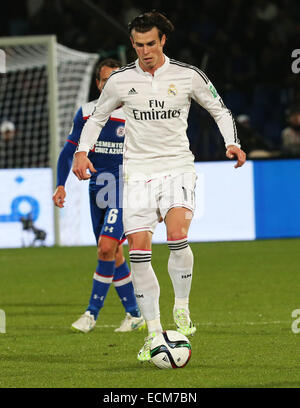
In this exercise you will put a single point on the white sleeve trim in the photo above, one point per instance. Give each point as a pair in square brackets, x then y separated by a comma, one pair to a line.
[232, 144]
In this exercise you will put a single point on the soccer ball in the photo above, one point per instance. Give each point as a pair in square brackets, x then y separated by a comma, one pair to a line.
[170, 349]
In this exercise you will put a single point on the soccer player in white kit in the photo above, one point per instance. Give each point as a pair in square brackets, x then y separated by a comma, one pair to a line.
[158, 166]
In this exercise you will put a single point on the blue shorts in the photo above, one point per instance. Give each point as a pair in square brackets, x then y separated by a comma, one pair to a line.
[106, 220]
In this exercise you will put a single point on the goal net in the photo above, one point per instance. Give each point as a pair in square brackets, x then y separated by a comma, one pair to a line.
[44, 83]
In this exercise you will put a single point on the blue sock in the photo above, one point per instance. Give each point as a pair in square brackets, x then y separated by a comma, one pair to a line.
[123, 285]
[101, 282]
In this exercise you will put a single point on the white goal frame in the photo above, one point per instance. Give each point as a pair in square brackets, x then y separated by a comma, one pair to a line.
[50, 42]
[51, 63]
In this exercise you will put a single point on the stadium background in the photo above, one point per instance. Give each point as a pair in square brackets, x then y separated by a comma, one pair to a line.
[246, 51]
[245, 290]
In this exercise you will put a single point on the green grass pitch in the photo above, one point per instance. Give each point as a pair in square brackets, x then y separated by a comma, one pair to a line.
[242, 298]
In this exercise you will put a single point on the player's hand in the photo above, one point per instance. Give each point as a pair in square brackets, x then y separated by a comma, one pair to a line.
[59, 196]
[234, 151]
[80, 166]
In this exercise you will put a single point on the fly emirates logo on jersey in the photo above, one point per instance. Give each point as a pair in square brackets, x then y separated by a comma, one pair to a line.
[157, 112]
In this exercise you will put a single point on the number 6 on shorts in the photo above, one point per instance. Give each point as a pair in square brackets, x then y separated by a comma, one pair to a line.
[112, 216]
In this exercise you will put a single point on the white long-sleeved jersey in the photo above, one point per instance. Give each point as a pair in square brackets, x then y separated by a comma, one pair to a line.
[156, 109]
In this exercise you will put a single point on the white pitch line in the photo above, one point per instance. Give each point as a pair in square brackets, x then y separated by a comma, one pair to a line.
[221, 324]
[171, 325]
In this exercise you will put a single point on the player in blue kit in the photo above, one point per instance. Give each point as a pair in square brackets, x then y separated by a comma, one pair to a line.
[106, 213]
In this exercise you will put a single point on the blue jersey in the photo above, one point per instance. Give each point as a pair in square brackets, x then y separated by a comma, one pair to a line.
[107, 154]
[107, 158]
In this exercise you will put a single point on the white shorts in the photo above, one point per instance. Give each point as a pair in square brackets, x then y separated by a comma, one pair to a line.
[146, 202]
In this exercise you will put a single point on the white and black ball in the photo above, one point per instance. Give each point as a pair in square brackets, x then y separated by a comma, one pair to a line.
[170, 349]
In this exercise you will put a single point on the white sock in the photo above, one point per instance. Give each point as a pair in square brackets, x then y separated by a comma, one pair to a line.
[182, 303]
[146, 288]
[180, 268]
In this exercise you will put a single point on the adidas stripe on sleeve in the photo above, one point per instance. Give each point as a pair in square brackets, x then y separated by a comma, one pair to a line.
[206, 95]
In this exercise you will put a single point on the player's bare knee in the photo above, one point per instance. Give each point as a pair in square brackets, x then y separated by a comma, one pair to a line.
[177, 234]
[106, 251]
[140, 240]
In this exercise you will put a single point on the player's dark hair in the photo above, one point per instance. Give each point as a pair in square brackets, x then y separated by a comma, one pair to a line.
[108, 62]
[145, 22]
[293, 109]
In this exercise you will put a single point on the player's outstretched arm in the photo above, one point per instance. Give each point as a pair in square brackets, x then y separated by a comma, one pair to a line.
[64, 165]
[234, 151]
[81, 164]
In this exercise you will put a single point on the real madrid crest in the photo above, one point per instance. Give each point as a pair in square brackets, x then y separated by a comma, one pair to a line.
[172, 90]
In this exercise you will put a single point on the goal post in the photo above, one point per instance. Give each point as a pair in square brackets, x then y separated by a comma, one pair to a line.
[53, 96]
[43, 86]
